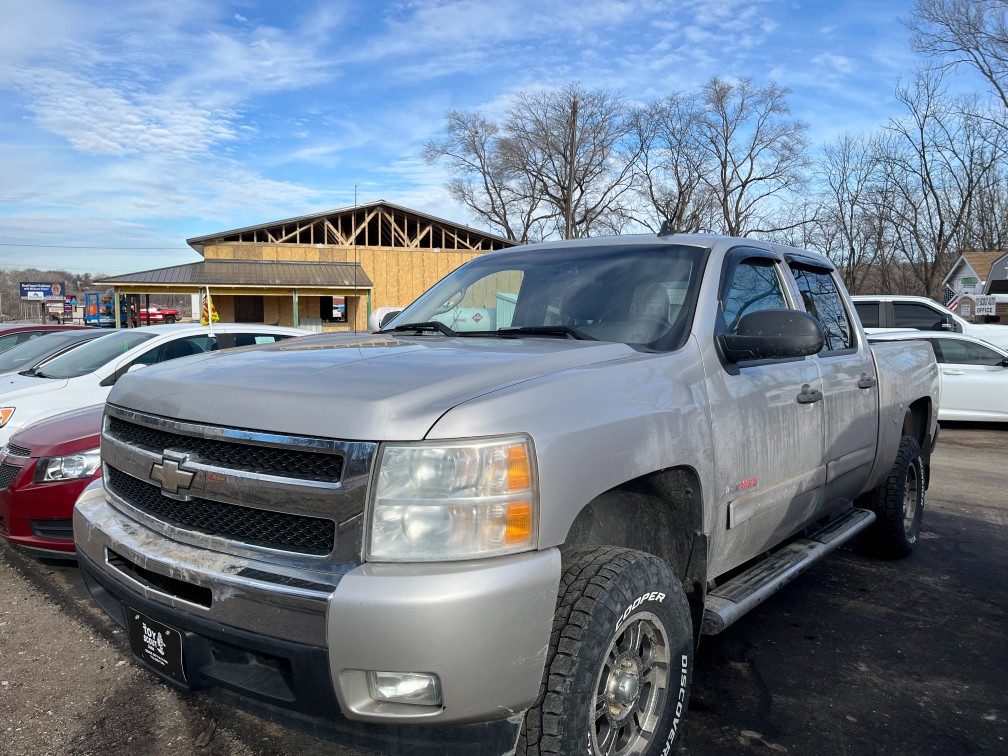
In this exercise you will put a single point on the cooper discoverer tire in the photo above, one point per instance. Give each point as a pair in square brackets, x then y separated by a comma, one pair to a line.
[620, 661]
[898, 503]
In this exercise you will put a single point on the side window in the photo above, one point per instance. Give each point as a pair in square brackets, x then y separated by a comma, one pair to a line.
[6, 342]
[868, 312]
[754, 286]
[911, 315]
[251, 339]
[822, 301]
[177, 348]
[966, 353]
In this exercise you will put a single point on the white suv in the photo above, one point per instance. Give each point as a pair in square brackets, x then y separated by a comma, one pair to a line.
[890, 312]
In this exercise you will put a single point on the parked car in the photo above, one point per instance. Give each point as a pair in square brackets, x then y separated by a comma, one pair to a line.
[973, 373]
[156, 314]
[12, 334]
[887, 312]
[43, 469]
[85, 375]
[29, 354]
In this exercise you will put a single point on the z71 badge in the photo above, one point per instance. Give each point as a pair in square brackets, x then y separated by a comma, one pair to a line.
[745, 485]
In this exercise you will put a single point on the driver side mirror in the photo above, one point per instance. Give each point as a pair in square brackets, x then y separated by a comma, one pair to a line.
[773, 335]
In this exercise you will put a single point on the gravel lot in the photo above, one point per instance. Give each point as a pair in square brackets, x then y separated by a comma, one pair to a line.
[856, 656]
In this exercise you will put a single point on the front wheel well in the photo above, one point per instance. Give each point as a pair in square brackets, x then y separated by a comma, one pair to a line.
[658, 513]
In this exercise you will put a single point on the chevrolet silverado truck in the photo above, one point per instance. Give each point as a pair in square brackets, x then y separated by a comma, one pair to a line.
[503, 522]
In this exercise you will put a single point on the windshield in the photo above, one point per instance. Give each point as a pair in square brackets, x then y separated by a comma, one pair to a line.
[27, 354]
[91, 356]
[640, 295]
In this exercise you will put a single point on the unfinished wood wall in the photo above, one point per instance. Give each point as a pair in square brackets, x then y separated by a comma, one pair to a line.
[398, 275]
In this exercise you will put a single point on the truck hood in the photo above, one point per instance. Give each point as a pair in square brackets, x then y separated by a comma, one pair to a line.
[352, 387]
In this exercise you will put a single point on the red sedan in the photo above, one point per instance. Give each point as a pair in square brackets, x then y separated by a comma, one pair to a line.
[43, 470]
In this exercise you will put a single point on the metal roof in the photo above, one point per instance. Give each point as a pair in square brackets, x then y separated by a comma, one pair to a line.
[258, 273]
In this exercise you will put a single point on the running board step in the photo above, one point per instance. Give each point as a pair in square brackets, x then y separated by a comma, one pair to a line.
[728, 602]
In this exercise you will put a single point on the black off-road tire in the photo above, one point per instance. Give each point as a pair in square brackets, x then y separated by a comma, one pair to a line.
[169, 319]
[898, 503]
[620, 660]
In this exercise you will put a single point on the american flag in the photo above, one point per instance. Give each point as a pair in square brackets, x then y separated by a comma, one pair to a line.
[951, 298]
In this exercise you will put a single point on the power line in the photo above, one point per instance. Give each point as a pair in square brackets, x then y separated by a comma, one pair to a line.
[64, 246]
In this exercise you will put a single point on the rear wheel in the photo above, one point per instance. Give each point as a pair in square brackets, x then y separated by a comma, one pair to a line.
[620, 660]
[898, 503]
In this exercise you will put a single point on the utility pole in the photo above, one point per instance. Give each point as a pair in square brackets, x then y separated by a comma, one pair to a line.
[571, 157]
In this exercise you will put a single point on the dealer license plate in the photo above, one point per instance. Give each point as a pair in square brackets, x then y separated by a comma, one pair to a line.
[155, 644]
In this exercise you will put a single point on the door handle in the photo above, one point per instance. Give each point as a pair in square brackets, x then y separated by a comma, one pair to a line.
[953, 372]
[866, 381]
[809, 395]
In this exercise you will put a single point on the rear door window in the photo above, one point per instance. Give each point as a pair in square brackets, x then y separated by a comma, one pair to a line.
[868, 313]
[911, 315]
[822, 301]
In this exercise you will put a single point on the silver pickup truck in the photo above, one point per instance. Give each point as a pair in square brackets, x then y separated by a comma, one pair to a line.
[503, 522]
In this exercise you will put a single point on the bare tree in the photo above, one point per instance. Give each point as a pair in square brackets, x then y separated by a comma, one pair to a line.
[759, 153]
[970, 32]
[577, 141]
[490, 176]
[849, 217]
[934, 160]
[673, 164]
[986, 226]
[559, 165]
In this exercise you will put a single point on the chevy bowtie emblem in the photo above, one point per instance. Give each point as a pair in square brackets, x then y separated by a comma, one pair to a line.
[169, 473]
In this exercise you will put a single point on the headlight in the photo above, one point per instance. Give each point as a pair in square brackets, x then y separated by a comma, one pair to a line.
[71, 467]
[6, 413]
[454, 500]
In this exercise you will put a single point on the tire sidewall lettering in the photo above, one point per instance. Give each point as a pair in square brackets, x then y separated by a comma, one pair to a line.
[650, 596]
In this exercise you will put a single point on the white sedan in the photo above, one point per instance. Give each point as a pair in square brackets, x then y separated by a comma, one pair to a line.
[974, 375]
[85, 375]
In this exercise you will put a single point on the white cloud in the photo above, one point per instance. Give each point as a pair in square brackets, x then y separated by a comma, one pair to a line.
[835, 64]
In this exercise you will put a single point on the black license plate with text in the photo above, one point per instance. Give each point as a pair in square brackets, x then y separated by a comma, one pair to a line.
[156, 644]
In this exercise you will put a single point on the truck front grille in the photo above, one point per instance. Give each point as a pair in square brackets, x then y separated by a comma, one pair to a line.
[272, 530]
[255, 490]
[302, 464]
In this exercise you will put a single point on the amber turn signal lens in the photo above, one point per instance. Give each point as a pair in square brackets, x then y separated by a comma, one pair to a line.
[519, 523]
[519, 476]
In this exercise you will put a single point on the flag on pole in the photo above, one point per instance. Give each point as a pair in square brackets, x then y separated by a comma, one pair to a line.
[208, 313]
[951, 298]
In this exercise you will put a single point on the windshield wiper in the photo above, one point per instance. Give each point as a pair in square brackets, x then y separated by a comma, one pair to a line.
[35, 373]
[556, 331]
[430, 325]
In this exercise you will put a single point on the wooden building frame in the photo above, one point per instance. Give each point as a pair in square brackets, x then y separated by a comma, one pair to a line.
[372, 255]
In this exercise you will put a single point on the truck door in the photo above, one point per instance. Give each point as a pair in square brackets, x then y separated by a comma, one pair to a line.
[767, 423]
[850, 385]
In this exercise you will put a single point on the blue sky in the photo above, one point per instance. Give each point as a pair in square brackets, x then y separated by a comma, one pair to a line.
[127, 127]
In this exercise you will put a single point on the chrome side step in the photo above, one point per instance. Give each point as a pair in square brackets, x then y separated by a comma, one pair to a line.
[728, 602]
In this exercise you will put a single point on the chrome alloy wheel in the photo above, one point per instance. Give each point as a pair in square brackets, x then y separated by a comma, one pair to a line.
[632, 687]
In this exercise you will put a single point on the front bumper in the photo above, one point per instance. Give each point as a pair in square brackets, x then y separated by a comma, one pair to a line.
[36, 516]
[302, 639]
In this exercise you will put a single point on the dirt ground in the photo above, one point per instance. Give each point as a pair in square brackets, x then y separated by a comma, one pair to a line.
[856, 656]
